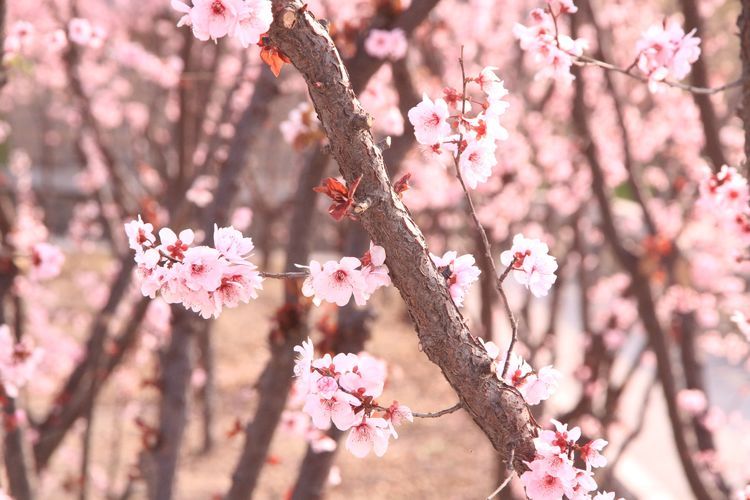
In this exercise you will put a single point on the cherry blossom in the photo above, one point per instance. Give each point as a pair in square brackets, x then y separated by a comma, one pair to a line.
[533, 267]
[254, 19]
[665, 51]
[201, 278]
[46, 261]
[430, 121]
[341, 390]
[18, 361]
[338, 281]
[476, 162]
[384, 44]
[459, 273]
[535, 387]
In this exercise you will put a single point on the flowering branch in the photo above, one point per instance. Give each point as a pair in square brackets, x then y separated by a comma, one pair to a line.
[480, 228]
[440, 413]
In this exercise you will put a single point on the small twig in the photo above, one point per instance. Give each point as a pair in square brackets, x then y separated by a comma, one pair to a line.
[501, 487]
[285, 276]
[440, 413]
[482, 232]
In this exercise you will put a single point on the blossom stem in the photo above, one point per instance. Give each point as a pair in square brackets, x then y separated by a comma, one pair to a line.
[285, 276]
[440, 413]
[501, 487]
[480, 228]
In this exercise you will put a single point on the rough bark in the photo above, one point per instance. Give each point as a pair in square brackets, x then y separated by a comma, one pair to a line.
[13, 452]
[500, 412]
[743, 23]
[352, 326]
[159, 464]
[699, 77]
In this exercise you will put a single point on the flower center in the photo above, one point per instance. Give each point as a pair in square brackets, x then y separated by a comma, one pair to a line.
[217, 7]
[339, 275]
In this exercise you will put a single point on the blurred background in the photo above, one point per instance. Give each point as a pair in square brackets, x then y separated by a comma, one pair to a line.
[109, 110]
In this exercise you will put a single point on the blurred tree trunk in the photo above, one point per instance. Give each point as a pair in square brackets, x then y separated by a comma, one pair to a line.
[743, 23]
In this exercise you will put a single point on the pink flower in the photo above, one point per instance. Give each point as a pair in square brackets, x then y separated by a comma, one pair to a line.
[604, 495]
[368, 379]
[533, 266]
[184, 9]
[430, 121]
[232, 244]
[203, 268]
[692, 401]
[336, 282]
[374, 270]
[459, 273]
[370, 434]
[254, 19]
[46, 262]
[214, 18]
[80, 31]
[665, 51]
[398, 414]
[238, 284]
[476, 162]
[173, 245]
[590, 453]
[303, 363]
[139, 233]
[541, 386]
[17, 362]
[337, 409]
[558, 7]
[384, 44]
[543, 482]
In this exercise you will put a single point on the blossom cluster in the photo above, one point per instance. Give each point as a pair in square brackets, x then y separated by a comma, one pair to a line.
[533, 266]
[550, 50]
[342, 390]
[553, 472]
[18, 360]
[337, 281]
[535, 387]
[204, 279]
[245, 20]
[385, 44]
[459, 273]
[726, 197]
[471, 140]
[665, 51]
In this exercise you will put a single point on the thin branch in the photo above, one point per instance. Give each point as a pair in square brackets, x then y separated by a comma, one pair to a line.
[440, 413]
[501, 487]
[480, 228]
[285, 276]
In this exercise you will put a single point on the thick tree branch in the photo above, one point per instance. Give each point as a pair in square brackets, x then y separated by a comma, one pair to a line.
[500, 412]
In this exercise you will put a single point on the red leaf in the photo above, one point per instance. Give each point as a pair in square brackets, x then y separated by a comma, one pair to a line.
[343, 197]
[402, 184]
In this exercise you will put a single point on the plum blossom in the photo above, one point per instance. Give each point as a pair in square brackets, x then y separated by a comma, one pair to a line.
[369, 434]
[535, 387]
[46, 261]
[692, 401]
[430, 121]
[476, 162]
[551, 51]
[203, 279]
[214, 18]
[553, 473]
[80, 31]
[337, 281]
[665, 51]
[254, 19]
[18, 360]
[384, 44]
[459, 273]
[341, 390]
[533, 267]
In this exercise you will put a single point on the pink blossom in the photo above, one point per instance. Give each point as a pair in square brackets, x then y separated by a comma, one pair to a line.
[370, 434]
[337, 409]
[430, 121]
[174, 245]
[336, 282]
[18, 361]
[80, 31]
[665, 51]
[214, 18]
[203, 268]
[374, 270]
[604, 495]
[558, 7]
[540, 387]
[254, 19]
[46, 261]
[476, 162]
[139, 233]
[459, 273]
[232, 244]
[303, 363]
[590, 453]
[368, 379]
[548, 478]
[533, 267]
[384, 44]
